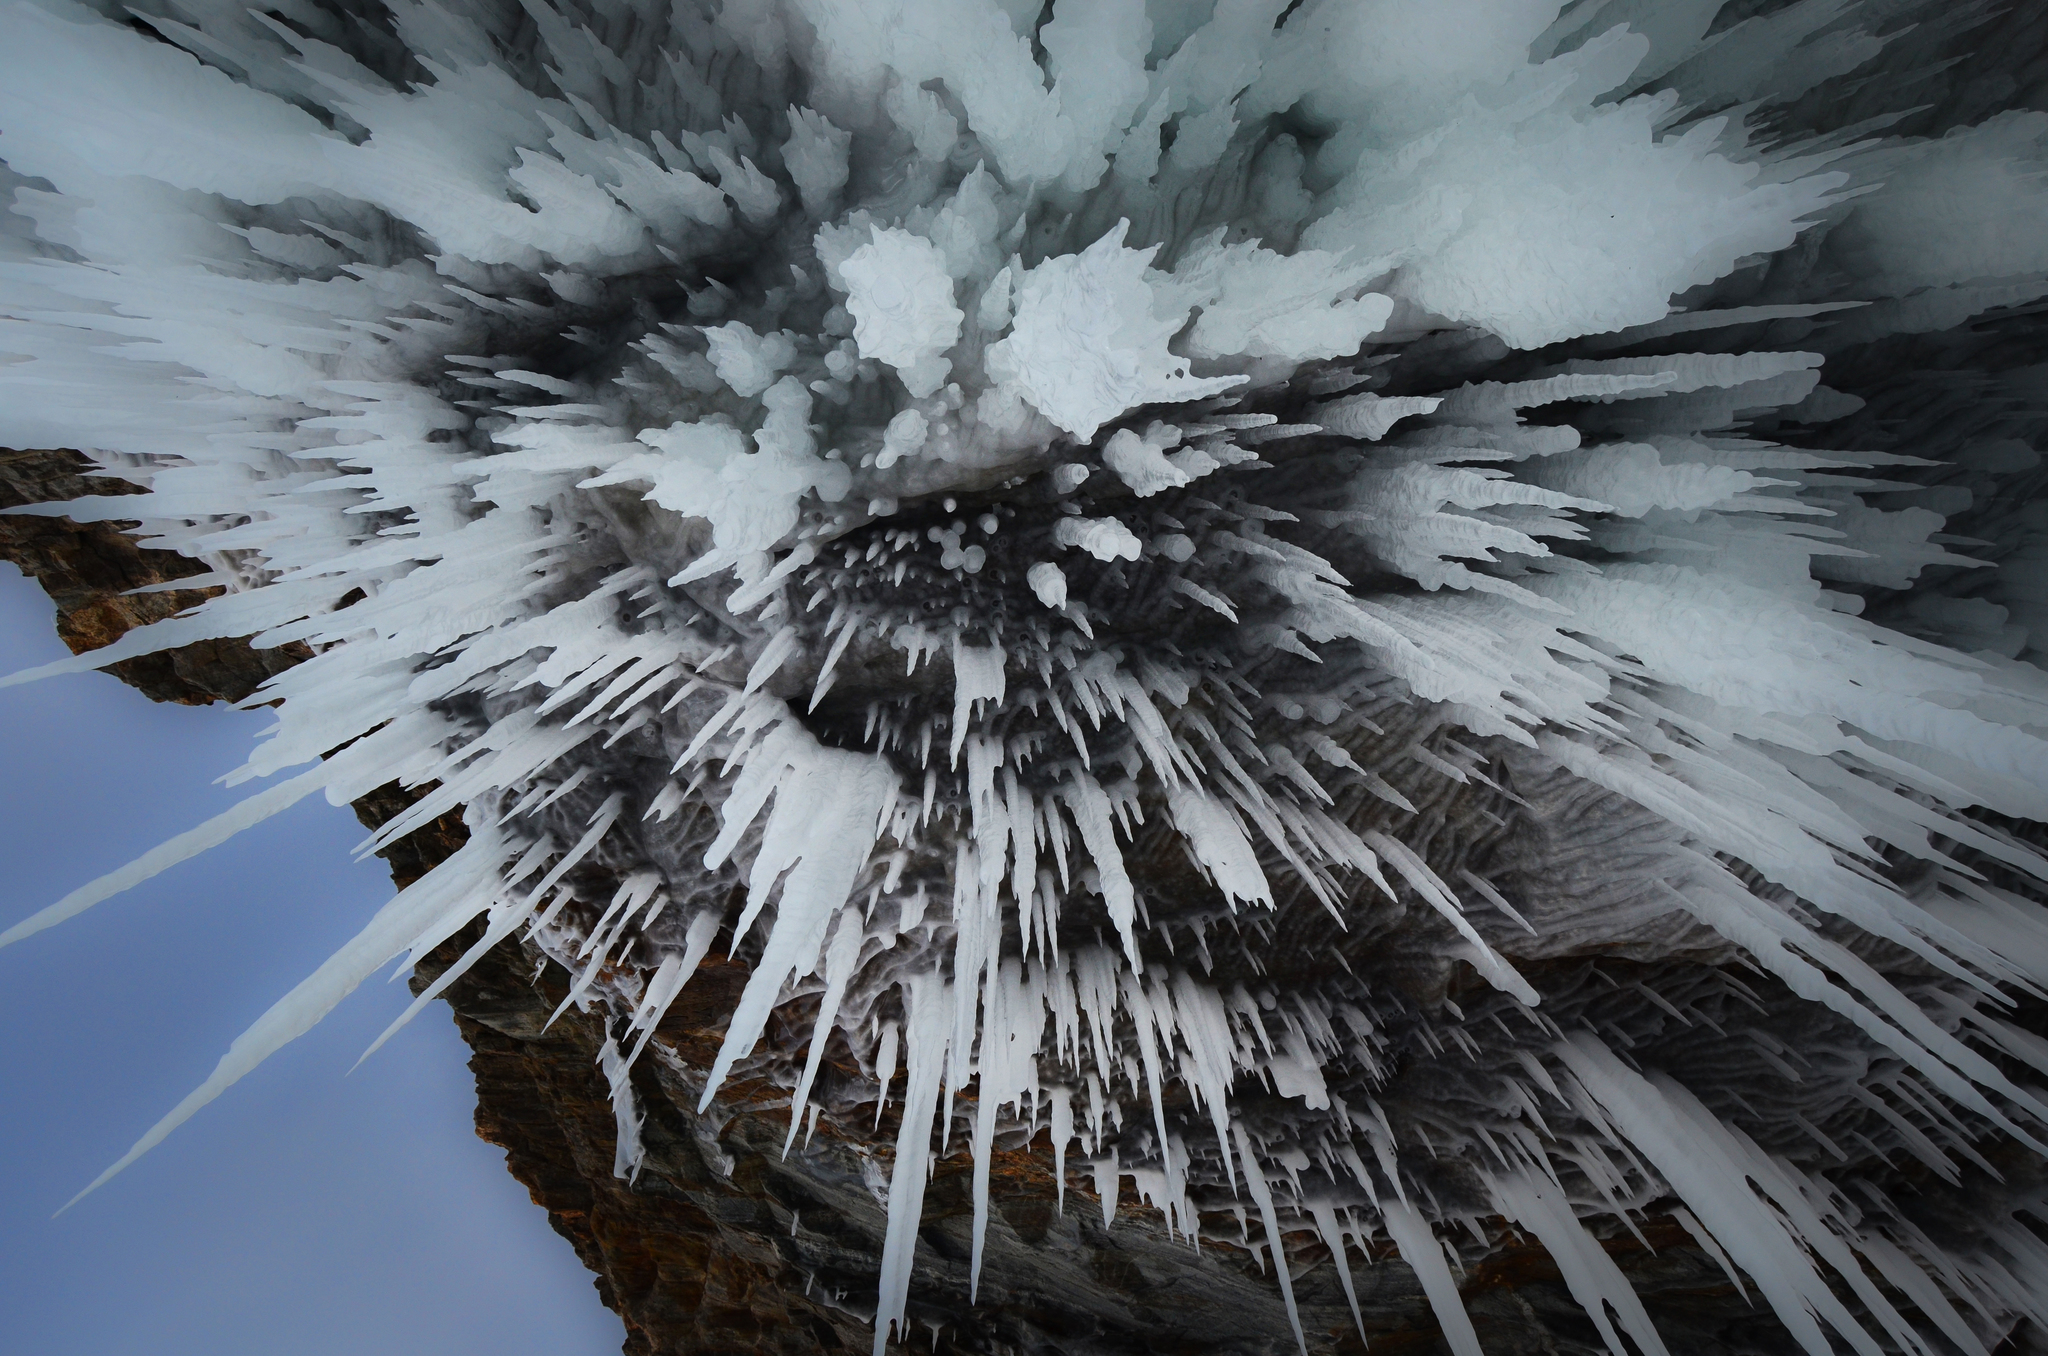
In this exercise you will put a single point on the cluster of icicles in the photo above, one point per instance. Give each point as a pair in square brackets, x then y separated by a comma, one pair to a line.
[1040, 505]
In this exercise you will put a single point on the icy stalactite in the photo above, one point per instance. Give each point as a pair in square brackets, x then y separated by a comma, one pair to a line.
[1178, 573]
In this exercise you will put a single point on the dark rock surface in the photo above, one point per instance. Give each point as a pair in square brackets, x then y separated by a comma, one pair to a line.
[722, 1244]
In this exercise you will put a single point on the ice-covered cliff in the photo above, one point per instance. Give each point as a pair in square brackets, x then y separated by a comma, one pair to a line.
[1411, 627]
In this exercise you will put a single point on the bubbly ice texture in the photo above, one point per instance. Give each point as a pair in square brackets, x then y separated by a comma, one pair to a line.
[1171, 413]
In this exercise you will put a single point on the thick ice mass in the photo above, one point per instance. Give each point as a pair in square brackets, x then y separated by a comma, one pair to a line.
[1326, 600]
[1086, 342]
[902, 303]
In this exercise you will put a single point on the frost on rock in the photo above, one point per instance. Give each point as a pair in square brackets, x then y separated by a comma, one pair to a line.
[1408, 623]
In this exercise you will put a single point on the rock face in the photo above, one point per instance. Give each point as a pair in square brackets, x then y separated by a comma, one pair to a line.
[724, 1243]
[88, 569]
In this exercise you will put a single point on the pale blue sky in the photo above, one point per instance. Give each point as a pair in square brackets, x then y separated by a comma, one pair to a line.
[305, 1213]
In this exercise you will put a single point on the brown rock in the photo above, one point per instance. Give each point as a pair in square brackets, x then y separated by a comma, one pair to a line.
[90, 569]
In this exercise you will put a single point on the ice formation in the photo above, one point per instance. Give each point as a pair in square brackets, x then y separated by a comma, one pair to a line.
[1271, 587]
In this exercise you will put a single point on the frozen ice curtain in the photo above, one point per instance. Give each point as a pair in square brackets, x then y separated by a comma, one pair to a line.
[1384, 614]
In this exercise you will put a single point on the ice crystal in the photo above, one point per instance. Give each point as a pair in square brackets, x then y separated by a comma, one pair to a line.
[1274, 587]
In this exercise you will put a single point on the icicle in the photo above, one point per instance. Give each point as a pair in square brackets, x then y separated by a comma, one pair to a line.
[601, 821]
[839, 960]
[1262, 1197]
[977, 677]
[1062, 1135]
[629, 1152]
[1421, 1250]
[185, 846]
[994, 1084]
[1091, 811]
[927, 1004]
[1325, 1217]
[670, 977]
[1498, 972]
[1713, 1187]
[885, 1069]
[505, 920]
[1108, 1179]
[433, 906]
[1589, 1273]
[821, 831]
[471, 585]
